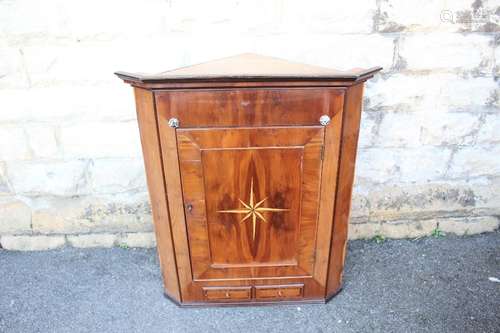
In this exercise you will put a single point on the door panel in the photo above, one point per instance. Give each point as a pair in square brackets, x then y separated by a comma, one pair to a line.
[251, 200]
[237, 236]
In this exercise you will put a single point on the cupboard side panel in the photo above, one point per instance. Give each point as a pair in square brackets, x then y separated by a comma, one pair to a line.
[347, 159]
[328, 185]
[146, 116]
[168, 143]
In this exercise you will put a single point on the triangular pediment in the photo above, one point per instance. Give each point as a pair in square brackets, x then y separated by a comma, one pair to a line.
[249, 66]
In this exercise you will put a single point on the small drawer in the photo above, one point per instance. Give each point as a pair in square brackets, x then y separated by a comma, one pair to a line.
[248, 107]
[281, 291]
[227, 293]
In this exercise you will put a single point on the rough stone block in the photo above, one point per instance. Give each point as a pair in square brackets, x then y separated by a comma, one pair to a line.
[58, 19]
[13, 143]
[420, 228]
[92, 240]
[363, 230]
[398, 165]
[469, 225]
[42, 141]
[399, 129]
[11, 68]
[139, 239]
[413, 129]
[407, 229]
[61, 104]
[273, 17]
[438, 199]
[435, 15]
[101, 140]
[474, 161]
[375, 166]
[359, 204]
[435, 92]
[60, 65]
[115, 213]
[15, 216]
[490, 130]
[447, 51]
[352, 54]
[496, 70]
[370, 123]
[458, 128]
[21, 142]
[31, 243]
[48, 177]
[4, 183]
[117, 175]
[324, 16]
[394, 229]
[396, 16]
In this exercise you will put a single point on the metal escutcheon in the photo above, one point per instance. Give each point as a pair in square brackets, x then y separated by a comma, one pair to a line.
[324, 120]
[173, 122]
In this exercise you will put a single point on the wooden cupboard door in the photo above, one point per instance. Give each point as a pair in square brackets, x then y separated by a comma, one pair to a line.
[251, 199]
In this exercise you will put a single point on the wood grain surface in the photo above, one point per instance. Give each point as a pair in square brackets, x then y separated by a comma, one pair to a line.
[250, 194]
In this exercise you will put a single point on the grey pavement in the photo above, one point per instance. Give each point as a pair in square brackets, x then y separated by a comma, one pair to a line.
[425, 285]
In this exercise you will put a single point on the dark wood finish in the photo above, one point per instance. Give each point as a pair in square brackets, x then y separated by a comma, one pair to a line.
[282, 292]
[221, 246]
[227, 294]
[148, 128]
[250, 193]
[174, 85]
[348, 149]
[168, 143]
[250, 67]
[245, 107]
[329, 184]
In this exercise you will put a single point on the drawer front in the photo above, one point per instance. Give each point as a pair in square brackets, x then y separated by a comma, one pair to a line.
[248, 107]
[227, 294]
[279, 292]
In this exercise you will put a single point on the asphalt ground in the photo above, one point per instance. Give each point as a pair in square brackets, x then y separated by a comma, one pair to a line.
[426, 285]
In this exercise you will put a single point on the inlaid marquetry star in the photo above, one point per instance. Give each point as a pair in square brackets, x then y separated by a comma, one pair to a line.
[252, 210]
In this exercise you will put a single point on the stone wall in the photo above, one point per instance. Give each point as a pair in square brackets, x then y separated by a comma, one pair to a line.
[71, 170]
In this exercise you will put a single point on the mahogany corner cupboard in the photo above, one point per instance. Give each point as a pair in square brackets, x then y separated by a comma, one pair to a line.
[250, 164]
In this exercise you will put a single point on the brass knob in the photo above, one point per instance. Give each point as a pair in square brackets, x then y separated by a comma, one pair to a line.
[173, 122]
[227, 294]
[324, 120]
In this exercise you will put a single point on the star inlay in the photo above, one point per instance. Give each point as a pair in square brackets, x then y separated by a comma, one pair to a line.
[253, 210]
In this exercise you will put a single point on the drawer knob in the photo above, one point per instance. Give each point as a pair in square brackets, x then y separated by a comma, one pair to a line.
[324, 120]
[173, 122]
